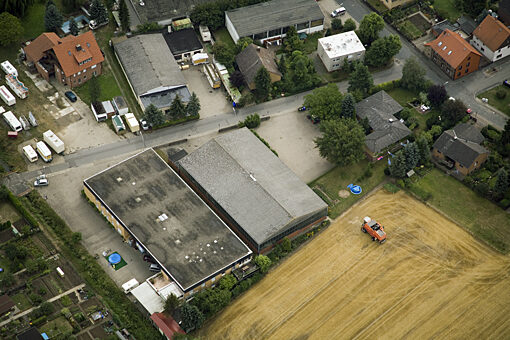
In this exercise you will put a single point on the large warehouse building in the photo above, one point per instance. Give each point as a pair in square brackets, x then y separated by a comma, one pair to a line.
[252, 190]
[156, 211]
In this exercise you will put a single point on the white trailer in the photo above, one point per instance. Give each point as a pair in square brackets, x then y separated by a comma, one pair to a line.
[43, 151]
[132, 123]
[128, 286]
[8, 68]
[12, 121]
[205, 33]
[18, 87]
[30, 153]
[53, 141]
[7, 97]
[60, 272]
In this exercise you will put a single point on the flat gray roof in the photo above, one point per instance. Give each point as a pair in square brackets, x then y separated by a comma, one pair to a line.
[149, 64]
[251, 184]
[274, 14]
[192, 243]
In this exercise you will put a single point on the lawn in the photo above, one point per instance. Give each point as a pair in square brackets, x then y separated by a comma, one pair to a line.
[59, 326]
[409, 30]
[404, 96]
[338, 178]
[502, 105]
[22, 301]
[223, 36]
[378, 6]
[479, 216]
[446, 9]
[109, 87]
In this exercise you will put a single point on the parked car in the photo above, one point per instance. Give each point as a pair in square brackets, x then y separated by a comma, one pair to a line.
[338, 11]
[72, 97]
[147, 258]
[154, 268]
[41, 182]
[301, 108]
[145, 126]
[506, 83]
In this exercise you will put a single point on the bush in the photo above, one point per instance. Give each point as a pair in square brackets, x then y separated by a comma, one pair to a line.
[148, 27]
[39, 321]
[263, 262]
[246, 99]
[392, 188]
[264, 141]
[501, 93]
[251, 122]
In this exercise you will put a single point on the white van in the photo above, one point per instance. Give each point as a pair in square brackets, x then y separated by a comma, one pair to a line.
[338, 11]
[30, 153]
[12, 121]
[44, 151]
[60, 272]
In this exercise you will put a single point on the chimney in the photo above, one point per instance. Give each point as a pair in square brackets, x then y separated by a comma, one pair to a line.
[78, 47]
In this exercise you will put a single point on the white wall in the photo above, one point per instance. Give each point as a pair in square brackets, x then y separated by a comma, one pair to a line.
[488, 53]
[231, 29]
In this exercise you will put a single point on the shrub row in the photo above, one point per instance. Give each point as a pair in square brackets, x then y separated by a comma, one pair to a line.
[6, 194]
[177, 121]
[264, 141]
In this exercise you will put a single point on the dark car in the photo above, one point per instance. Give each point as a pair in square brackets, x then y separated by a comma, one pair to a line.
[147, 258]
[506, 83]
[72, 97]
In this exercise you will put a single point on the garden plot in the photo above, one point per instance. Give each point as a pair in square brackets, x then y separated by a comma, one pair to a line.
[430, 279]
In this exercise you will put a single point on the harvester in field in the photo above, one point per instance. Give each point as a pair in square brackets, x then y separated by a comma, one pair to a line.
[374, 229]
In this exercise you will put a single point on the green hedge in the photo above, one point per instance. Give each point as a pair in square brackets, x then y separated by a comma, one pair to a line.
[123, 309]
[264, 141]
[6, 194]
[177, 121]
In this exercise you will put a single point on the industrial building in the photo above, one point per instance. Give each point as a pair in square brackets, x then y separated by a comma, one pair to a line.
[333, 50]
[258, 196]
[154, 210]
[269, 22]
[151, 69]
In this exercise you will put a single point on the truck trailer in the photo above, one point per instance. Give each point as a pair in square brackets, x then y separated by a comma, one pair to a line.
[6, 96]
[53, 141]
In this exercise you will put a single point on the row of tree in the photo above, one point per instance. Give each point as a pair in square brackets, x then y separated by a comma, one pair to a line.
[177, 110]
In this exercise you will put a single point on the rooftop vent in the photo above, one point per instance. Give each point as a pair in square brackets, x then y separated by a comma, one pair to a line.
[119, 179]
[444, 48]
[138, 200]
[78, 47]
[450, 52]
[391, 120]
[162, 217]
[133, 183]
[439, 43]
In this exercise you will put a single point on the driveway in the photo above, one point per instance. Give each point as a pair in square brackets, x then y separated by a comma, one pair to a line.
[212, 101]
[64, 195]
[291, 135]
[327, 6]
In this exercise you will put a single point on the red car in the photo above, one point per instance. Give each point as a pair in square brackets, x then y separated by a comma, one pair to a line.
[374, 229]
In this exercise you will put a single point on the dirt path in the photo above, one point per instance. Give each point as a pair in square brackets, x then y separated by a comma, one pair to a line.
[430, 279]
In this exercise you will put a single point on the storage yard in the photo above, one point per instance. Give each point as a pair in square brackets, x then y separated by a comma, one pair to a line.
[430, 279]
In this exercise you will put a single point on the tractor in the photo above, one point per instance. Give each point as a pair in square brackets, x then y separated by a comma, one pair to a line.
[374, 229]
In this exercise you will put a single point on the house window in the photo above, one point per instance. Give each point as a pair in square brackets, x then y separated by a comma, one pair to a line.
[303, 26]
[79, 81]
[94, 73]
[213, 279]
[316, 23]
[273, 33]
[467, 70]
[262, 35]
[469, 58]
[458, 74]
[460, 67]
[467, 65]
[483, 49]
[84, 77]
[93, 66]
[499, 56]
[285, 30]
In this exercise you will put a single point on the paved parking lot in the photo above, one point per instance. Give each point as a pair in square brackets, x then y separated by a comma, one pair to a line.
[64, 195]
[212, 101]
[291, 134]
[327, 6]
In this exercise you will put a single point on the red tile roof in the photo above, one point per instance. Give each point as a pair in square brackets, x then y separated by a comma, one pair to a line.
[35, 50]
[166, 324]
[74, 50]
[452, 47]
[492, 32]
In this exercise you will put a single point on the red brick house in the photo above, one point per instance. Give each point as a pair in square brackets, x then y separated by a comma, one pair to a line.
[454, 55]
[71, 60]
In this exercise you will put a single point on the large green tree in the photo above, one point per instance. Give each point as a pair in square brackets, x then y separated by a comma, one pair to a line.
[193, 106]
[325, 102]
[242, 43]
[342, 141]
[300, 73]
[262, 83]
[98, 12]
[369, 28]
[73, 27]
[452, 111]
[411, 155]
[436, 95]
[223, 54]
[124, 15]
[349, 25]
[192, 317]
[423, 148]
[71, 6]
[18, 8]
[413, 75]
[154, 116]
[177, 108]
[291, 42]
[171, 303]
[382, 50]
[398, 165]
[348, 109]
[10, 29]
[263, 262]
[228, 282]
[360, 79]
[473, 7]
[501, 185]
[52, 18]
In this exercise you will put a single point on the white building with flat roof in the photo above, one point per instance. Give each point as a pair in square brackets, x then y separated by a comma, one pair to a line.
[334, 49]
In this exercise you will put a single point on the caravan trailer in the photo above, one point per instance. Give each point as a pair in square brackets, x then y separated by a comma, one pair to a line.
[12, 121]
[8, 68]
[43, 151]
[6, 96]
[30, 153]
